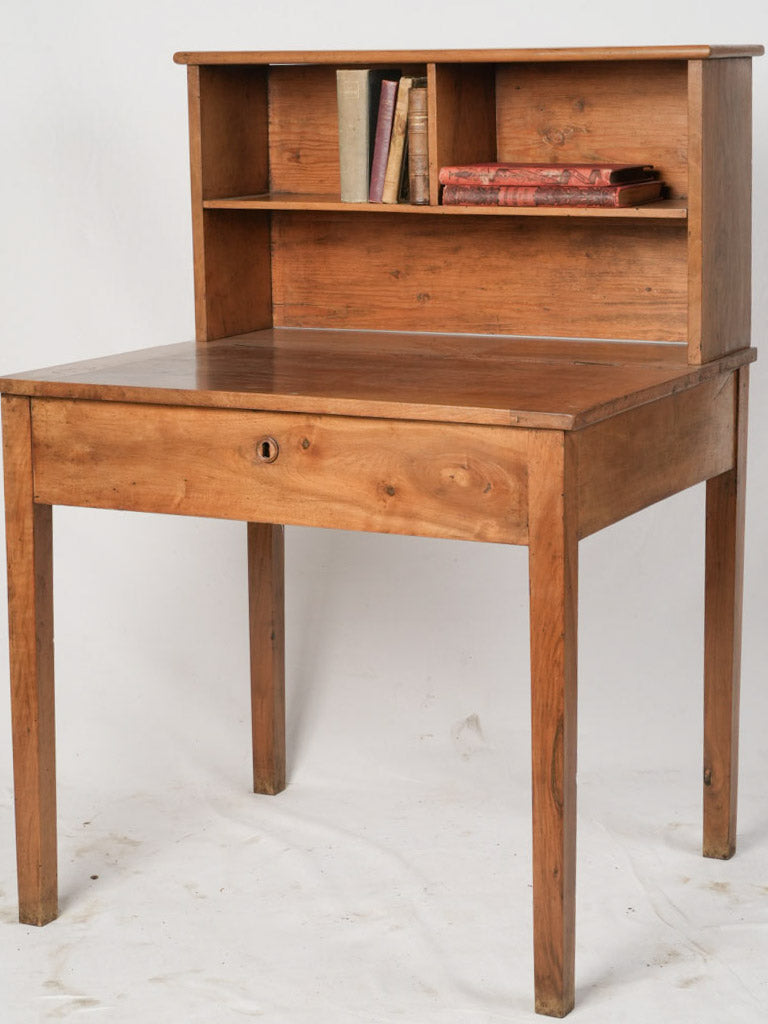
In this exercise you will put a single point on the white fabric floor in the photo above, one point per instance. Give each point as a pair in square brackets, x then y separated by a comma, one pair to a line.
[391, 880]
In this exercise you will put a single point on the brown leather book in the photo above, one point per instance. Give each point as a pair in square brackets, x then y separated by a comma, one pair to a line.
[397, 143]
[383, 135]
[418, 155]
[551, 195]
[586, 175]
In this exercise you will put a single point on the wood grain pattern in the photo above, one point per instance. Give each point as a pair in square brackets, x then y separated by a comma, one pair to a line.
[598, 112]
[237, 277]
[664, 209]
[722, 639]
[228, 155]
[30, 619]
[234, 137]
[303, 149]
[720, 209]
[464, 116]
[434, 480]
[492, 275]
[500, 381]
[196, 193]
[574, 53]
[649, 453]
[553, 567]
[266, 603]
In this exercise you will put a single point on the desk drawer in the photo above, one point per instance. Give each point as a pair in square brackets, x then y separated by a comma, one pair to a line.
[390, 476]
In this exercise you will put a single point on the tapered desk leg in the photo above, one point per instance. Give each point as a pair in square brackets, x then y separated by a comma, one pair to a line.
[30, 616]
[267, 627]
[553, 556]
[722, 641]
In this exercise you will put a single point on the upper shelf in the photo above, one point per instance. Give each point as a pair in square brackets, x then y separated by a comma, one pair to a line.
[586, 53]
[668, 209]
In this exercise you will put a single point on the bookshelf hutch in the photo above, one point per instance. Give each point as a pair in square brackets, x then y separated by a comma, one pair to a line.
[517, 375]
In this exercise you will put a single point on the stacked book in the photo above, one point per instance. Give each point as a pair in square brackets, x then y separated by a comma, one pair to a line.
[513, 184]
[382, 137]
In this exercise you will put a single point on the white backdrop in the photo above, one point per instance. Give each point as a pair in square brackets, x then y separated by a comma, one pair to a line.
[391, 880]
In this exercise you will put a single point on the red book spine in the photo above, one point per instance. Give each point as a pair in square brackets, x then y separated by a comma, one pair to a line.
[546, 195]
[583, 175]
[383, 134]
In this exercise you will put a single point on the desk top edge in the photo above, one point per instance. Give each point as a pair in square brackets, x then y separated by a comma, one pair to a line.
[503, 381]
[539, 55]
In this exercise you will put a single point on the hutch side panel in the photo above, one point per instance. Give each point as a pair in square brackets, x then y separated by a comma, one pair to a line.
[236, 292]
[720, 207]
[233, 130]
[228, 155]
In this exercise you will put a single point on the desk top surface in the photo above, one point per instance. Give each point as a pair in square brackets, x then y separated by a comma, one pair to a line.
[506, 381]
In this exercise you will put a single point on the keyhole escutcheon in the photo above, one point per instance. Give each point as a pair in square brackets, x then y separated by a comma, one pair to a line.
[267, 449]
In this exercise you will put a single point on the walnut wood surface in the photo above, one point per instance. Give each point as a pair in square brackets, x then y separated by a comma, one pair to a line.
[553, 567]
[722, 639]
[434, 480]
[664, 209]
[641, 456]
[720, 209]
[464, 117]
[228, 153]
[303, 149]
[237, 296]
[266, 604]
[586, 53]
[30, 618]
[448, 378]
[480, 275]
[234, 131]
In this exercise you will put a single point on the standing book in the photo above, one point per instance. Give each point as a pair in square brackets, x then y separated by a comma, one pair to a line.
[357, 92]
[418, 149]
[382, 138]
[396, 155]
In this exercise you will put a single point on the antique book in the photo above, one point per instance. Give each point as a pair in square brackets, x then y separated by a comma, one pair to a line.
[394, 169]
[551, 195]
[383, 134]
[357, 92]
[352, 91]
[418, 157]
[586, 175]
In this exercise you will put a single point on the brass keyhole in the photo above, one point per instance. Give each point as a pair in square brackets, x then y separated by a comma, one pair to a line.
[267, 449]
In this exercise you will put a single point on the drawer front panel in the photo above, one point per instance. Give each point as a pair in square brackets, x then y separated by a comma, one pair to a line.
[452, 480]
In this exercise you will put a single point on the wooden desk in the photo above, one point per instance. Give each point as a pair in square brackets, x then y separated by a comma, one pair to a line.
[356, 368]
